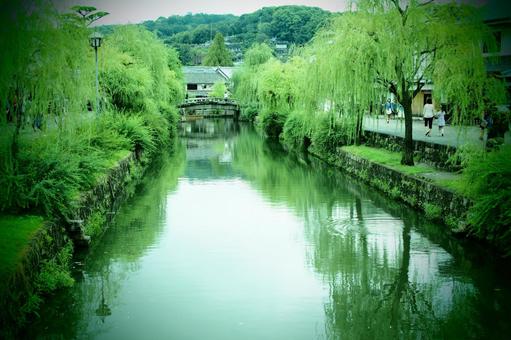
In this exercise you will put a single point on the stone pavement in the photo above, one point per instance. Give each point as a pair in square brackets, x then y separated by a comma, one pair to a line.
[453, 135]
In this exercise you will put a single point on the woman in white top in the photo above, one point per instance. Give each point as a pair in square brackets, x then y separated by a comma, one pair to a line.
[428, 113]
[441, 120]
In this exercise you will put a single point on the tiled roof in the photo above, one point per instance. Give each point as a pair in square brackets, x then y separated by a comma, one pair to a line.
[206, 74]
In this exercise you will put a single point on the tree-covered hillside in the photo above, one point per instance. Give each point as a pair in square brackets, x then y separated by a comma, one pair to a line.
[191, 34]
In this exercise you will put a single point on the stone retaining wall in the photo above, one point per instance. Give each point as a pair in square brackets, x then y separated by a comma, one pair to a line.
[422, 194]
[436, 155]
[20, 293]
[105, 197]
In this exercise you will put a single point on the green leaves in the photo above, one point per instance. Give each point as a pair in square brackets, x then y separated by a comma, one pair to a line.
[138, 72]
[218, 55]
[218, 90]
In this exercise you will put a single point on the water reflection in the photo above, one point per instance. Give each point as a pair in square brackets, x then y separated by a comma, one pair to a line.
[233, 238]
[387, 271]
[84, 310]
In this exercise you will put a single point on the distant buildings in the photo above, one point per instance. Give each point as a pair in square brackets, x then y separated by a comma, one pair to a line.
[199, 80]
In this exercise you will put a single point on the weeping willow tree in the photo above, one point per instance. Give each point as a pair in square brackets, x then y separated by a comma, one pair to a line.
[218, 90]
[398, 47]
[245, 79]
[138, 72]
[46, 64]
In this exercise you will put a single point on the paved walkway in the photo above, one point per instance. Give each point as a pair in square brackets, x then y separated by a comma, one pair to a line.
[453, 135]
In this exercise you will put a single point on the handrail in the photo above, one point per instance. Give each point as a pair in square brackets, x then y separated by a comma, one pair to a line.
[209, 100]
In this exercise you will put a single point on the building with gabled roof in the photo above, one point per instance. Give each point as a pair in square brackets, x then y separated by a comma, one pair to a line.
[199, 80]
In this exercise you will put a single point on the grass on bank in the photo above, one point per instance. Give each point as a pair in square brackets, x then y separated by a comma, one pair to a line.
[388, 158]
[393, 160]
[15, 234]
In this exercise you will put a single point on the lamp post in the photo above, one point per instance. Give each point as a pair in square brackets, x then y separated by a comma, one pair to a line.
[95, 42]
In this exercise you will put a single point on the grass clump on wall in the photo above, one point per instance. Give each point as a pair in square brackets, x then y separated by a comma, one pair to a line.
[488, 183]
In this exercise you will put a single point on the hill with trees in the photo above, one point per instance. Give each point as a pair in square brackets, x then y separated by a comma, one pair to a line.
[192, 34]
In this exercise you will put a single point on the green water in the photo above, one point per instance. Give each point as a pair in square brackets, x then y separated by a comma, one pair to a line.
[232, 238]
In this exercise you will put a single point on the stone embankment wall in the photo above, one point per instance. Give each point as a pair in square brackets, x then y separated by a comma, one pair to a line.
[437, 155]
[20, 293]
[103, 200]
[419, 193]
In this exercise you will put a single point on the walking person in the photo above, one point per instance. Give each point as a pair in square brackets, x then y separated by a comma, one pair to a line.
[486, 123]
[428, 113]
[441, 120]
[388, 110]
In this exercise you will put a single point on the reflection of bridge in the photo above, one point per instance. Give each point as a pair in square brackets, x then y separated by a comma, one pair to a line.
[210, 107]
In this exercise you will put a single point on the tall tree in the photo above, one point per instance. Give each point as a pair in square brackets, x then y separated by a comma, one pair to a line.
[218, 55]
[394, 46]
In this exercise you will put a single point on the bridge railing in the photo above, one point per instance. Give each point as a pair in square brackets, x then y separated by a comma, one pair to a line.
[209, 100]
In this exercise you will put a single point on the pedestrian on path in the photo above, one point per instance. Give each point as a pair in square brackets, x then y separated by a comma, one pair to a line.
[388, 109]
[428, 113]
[441, 120]
[486, 123]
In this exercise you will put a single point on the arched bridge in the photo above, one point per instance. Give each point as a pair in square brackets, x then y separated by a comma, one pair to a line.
[209, 107]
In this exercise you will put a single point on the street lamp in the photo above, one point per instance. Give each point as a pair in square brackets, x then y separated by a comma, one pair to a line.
[95, 42]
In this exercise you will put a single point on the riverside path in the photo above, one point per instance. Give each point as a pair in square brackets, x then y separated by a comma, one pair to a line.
[453, 135]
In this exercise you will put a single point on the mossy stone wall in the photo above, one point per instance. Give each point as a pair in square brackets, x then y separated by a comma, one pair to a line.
[104, 199]
[20, 293]
[436, 155]
[421, 194]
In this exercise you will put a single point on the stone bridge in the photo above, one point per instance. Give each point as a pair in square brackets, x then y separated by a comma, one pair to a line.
[209, 107]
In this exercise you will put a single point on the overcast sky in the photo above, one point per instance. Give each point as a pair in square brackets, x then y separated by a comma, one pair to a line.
[135, 11]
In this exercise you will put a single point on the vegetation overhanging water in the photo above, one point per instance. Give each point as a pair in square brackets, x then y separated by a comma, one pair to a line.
[234, 238]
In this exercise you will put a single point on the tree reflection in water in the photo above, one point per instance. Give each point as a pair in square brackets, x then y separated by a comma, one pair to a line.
[386, 279]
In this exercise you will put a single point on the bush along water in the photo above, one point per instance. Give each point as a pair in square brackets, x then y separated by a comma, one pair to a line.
[55, 144]
[487, 180]
[318, 98]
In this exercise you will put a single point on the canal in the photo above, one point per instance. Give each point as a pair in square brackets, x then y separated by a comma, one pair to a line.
[233, 238]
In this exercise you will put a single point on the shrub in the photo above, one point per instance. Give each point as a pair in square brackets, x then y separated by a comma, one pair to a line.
[432, 211]
[297, 131]
[272, 123]
[488, 182]
[249, 112]
[328, 135]
[134, 129]
[171, 114]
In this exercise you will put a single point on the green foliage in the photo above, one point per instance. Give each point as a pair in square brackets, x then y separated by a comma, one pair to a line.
[432, 211]
[171, 114]
[328, 135]
[270, 87]
[272, 123]
[218, 55]
[488, 182]
[95, 223]
[52, 169]
[291, 24]
[47, 64]
[52, 74]
[218, 90]
[385, 46]
[257, 54]
[297, 131]
[54, 272]
[15, 233]
[138, 72]
[134, 129]
[387, 158]
[249, 112]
